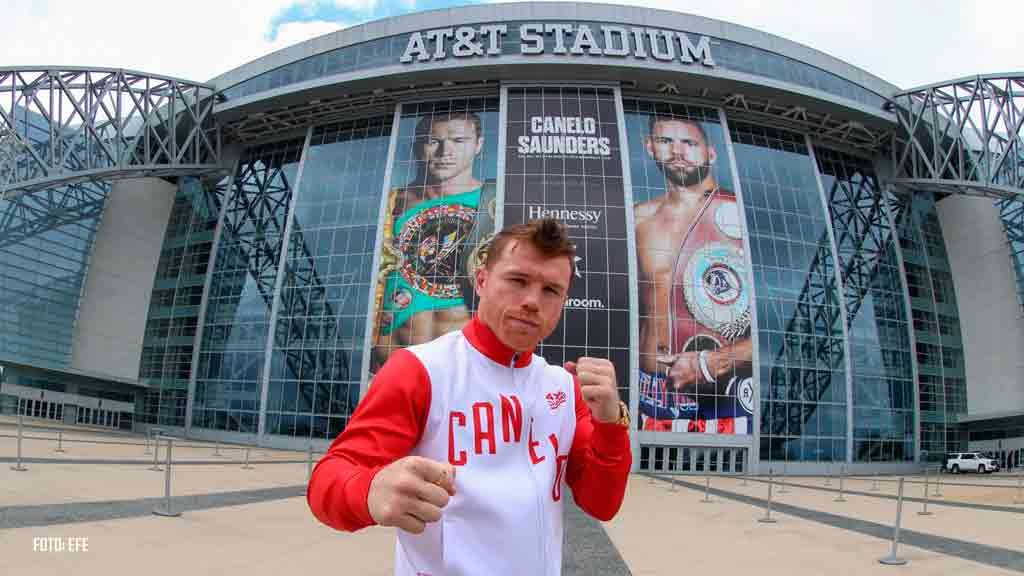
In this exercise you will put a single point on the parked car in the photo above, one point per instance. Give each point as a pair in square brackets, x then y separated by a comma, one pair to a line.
[971, 462]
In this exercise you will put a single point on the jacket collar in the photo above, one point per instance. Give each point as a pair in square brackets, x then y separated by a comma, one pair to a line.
[487, 343]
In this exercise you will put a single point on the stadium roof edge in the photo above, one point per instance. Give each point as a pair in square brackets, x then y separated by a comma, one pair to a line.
[505, 12]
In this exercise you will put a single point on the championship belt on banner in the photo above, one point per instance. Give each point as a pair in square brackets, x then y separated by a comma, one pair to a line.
[710, 297]
[427, 254]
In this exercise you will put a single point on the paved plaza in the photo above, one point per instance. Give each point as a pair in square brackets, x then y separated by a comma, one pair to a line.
[101, 492]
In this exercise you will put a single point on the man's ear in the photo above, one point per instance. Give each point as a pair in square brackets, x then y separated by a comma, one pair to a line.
[480, 278]
[712, 155]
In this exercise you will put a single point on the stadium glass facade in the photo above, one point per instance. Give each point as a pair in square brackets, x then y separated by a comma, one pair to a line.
[774, 252]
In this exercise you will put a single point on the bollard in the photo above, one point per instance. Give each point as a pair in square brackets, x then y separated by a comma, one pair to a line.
[675, 487]
[148, 433]
[744, 482]
[874, 483]
[166, 509]
[782, 482]
[707, 489]
[828, 476]
[246, 465]
[216, 448]
[156, 454]
[840, 497]
[18, 467]
[924, 505]
[650, 479]
[1020, 490]
[938, 484]
[309, 462]
[767, 518]
[892, 559]
[60, 441]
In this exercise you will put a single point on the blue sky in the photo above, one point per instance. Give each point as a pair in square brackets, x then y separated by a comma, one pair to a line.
[907, 42]
[351, 12]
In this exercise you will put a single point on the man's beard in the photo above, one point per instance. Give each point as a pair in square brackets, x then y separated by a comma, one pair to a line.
[684, 178]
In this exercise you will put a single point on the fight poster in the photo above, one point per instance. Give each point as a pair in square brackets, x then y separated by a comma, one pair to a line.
[692, 279]
[439, 213]
[563, 160]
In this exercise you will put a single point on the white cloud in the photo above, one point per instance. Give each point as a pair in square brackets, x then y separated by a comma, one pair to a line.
[195, 40]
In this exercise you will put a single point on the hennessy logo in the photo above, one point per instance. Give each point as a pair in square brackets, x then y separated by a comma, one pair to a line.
[555, 399]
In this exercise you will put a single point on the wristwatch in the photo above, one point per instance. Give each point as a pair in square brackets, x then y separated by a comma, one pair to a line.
[623, 415]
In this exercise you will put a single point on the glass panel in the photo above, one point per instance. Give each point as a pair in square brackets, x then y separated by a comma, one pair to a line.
[166, 364]
[875, 310]
[242, 291]
[316, 363]
[800, 334]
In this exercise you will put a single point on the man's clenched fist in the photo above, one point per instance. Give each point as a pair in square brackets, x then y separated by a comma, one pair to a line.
[410, 492]
[597, 383]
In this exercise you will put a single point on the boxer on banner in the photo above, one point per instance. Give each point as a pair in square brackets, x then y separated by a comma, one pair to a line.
[433, 236]
[695, 347]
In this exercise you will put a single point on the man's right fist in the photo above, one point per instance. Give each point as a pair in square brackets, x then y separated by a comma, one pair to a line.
[410, 492]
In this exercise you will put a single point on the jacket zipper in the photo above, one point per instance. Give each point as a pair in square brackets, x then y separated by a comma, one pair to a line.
[538, 494]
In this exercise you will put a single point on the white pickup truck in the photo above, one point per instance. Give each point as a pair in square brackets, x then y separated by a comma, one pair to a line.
[971, 462]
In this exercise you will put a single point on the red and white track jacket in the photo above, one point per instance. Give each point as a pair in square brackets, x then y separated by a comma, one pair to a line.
[516, 428]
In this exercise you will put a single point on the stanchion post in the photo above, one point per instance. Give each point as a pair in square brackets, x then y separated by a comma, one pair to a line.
[675, 487]
[782, 482]
[60, 441]
[767, 518]
[707, 488]
[874, 483]
[156, 454]
[924, 505]
[828, 475]
[216, 447]
[166, 509]
[309, 462]
[840, 497]
[744, 479]
[18, 467]
[892, 559]
[246, 465]
[1020, 489]
[149, 433]
[938, 484]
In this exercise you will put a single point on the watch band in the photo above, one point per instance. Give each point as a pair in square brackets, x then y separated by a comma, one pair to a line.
[704, 369]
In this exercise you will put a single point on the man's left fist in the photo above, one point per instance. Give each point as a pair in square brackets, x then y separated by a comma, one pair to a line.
[597, 383]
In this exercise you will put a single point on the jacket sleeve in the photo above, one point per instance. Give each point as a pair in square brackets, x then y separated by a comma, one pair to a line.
[386, 425]
[599, 462]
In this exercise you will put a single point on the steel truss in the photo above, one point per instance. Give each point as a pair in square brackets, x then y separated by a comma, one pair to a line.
[965, 136]
[101, 124]
[253, 235]
[26, 216]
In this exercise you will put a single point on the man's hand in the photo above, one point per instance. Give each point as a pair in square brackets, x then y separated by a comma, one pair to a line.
[683, 372]
[410, 492]
[597, 383]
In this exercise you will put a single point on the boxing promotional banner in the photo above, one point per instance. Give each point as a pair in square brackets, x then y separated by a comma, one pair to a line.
[439, 214]
[563, 160]
[692, 279]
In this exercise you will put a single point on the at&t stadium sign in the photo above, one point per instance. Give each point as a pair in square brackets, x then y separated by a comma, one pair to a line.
[566, 39]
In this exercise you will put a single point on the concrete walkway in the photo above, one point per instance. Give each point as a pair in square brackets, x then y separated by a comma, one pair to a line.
[256, 521]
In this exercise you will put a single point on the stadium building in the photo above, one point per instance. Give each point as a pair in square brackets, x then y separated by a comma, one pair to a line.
[788, 259]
